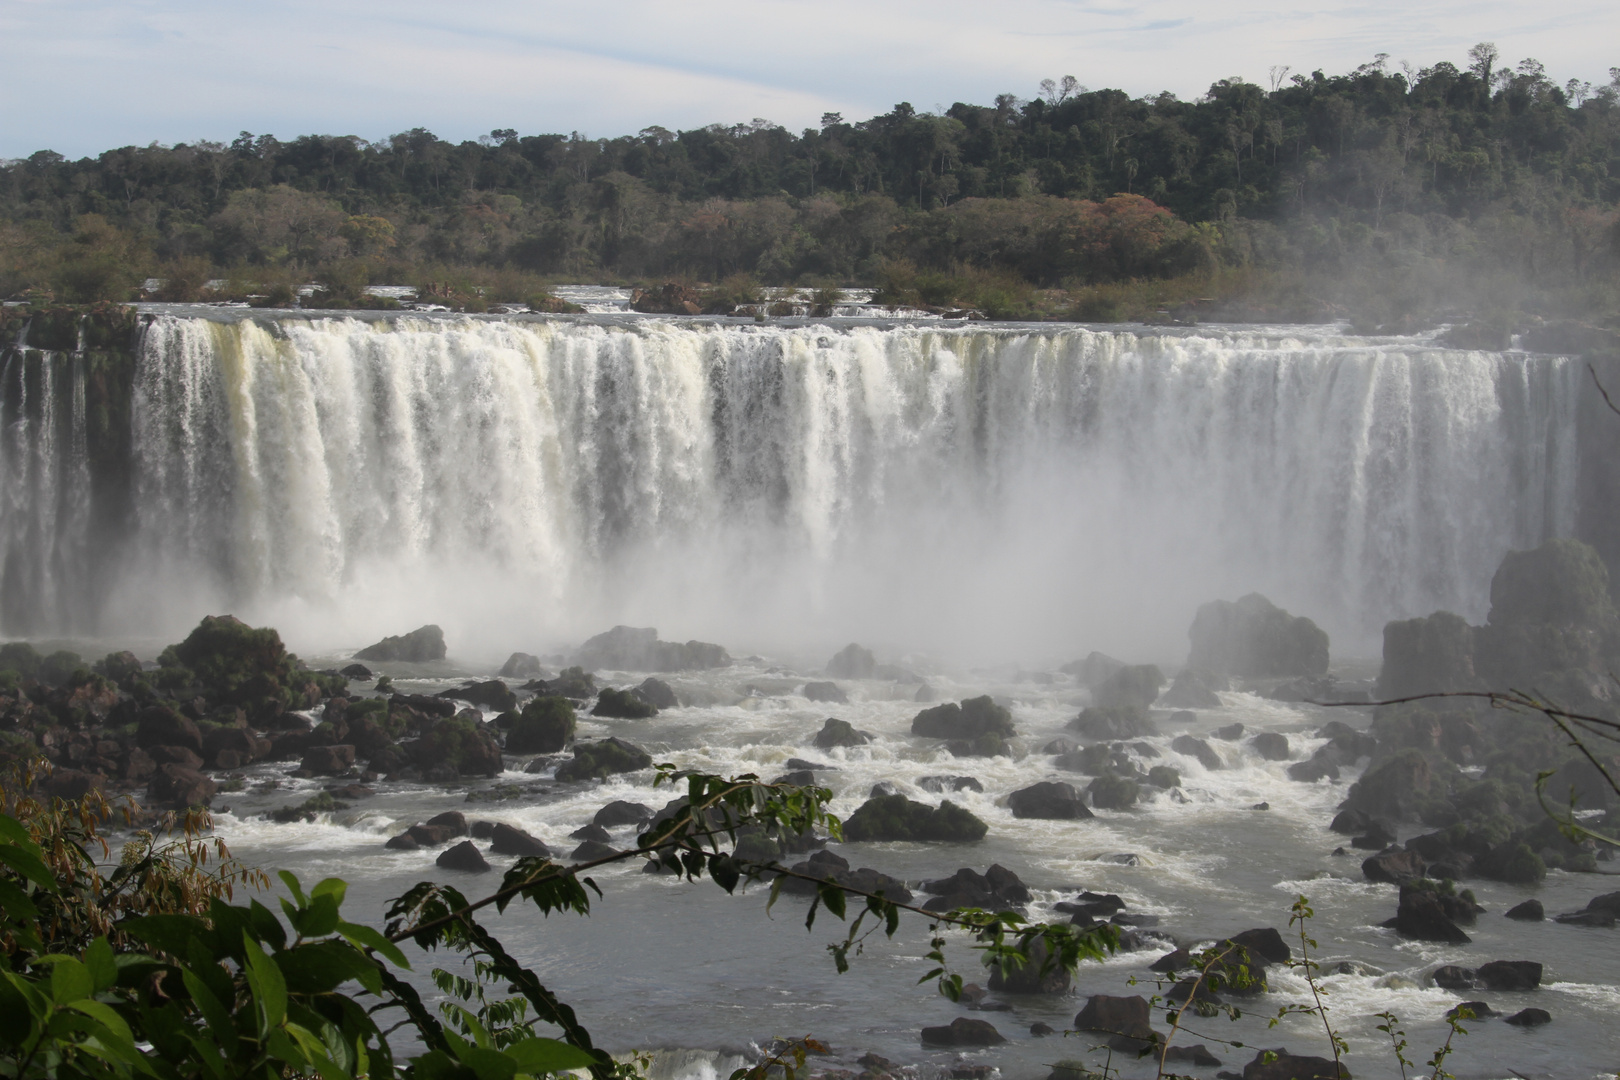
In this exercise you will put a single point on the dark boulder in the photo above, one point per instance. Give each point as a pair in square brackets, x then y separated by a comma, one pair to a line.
[1529, 1018]
[962, 1031]
[240, 741]
[623, 705]
[506, 840]
[591, 850]
[1135, 686]
[1253, 638]
[1271, 745]
[464, 856]
[1163, 776]
[1111, 792]
[454, 820]
[1178, 959]
[158, 725]
[1197, 1054]
[591, 831]
[356, 673]
[403, 842]
[1477, 1010]
[1396, 786]
[328, 760]
[493, 694]
[575, 683]
[1195, 747]
[177, 787]
[1454, 977]
[1309, 772]
[1094, 670]
[1029, 978]
[1510, 975]
[1194, 689]
[629, 648]
[458, 744]
[1423, 915]
[1125, 722]
[1394, 867]
[1426, 656]
[837, 732]
[1050, 800]
[895, 817]
[599, 760]
[545, 726]
[825, 691]
[657, 693]
[852, 662]
[1128, 1020]
[521, 665]
[1230, 733]
[419, 646]
[1561, 583]
[1279, 1064]
[620, 812]
[1265, 942]
[1352, 744]
[970, 719]
[1529, 911]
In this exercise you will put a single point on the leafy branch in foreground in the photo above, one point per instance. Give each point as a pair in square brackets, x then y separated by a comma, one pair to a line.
[194, 987]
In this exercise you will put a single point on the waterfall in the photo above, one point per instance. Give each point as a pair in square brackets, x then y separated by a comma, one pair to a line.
[1017, 490]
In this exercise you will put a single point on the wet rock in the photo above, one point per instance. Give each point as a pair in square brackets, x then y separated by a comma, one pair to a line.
[620, 812]
[629, 648]
[507, 840]
[1197, 748]
[1265, 942]
[356, 673]
[969, 719]
[239, 741]
[1127, 1020]
[1379, 835]
[1163, 776]
[1176, 960]
[1041, 1030]
[419, 646]
[574, 683]
[835, 732]
[1309, 772]
[852, 662]
[944, 785]
[1125, 722]
[591, 850]
[1427, 655]
[1285, 1066]
[602, 759]
[465, 857]
[493, 694]
[963, 1031]
[432, 835]
[825, 691]
[1133, 686]
[1253, 638]
[175, 755]
[1395, 786]
[1194, 689]
[1230, 733]
[881, 789]
[1453, 977]
[897, 818]
[1509, 975]
[1271, 745]
[1351, 745]
[623, 705]
[657, 693]
[481, 830]
[1198, 1054]
[522, 665]
[545, 726]
[1599, 911]
[159, 725]
[1529, 911]
[328, 760]
[1423, 916]
[1110, 792]
[1029, 978]
[1477, 1010]
[177, 787]
[592, 831]
[1050, 800]
[458, 745]
[1529, 1018]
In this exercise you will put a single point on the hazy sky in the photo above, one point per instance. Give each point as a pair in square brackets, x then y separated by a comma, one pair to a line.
[83, 76]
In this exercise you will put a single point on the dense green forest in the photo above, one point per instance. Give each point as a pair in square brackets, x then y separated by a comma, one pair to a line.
[1388, 196]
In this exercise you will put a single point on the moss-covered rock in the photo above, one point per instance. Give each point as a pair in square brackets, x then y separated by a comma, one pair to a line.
[622, 705]
[1163, 776]
[545, 726]
[1117, 722]
[968, 719]
[1427, 655]
[460, 744]
[1110, 792]
[895, 817]
[423, 644]
[836, 732]
[1561, 583]
[492, 693]
[599, 760]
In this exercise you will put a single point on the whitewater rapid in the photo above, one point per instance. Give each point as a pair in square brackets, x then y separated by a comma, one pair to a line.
[1023, 490]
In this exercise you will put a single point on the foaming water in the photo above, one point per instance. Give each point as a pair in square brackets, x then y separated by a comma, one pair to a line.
[970, 491]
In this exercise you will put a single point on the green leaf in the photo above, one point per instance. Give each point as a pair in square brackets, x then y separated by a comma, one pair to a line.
[319, 918]
[16, 905]
[107, 1018]
[336, 888]
[214, 1012]
[723, 869]
[101, 963]
[548, 1056]
[28, 865]
[367, 937]
[269, 988]
[166, 933]
[13, 830]
[289, 879]
[70, 980]
[833, 896]
[266, 927]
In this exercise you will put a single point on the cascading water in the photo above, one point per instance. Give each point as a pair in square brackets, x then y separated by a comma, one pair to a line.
[1015, 488]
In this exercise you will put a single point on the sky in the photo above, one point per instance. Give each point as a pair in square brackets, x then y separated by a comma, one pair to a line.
[82, 76]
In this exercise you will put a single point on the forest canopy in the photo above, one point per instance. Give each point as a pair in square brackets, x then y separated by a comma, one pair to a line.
[1380, 193]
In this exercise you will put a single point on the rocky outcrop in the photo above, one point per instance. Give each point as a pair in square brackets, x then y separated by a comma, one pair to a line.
[837, 732]
[1197, 748]
[622, 705]
[1425, 915]
[493, 694]
[1094, 670]
[1194, 689]
[825, 692]
[465, 857]
[657, 693]
[629, 648]
[853, 662]
[1110, 792]
[507, 840]
[1133, 686]
[1253, 638]
[970, 719]
[545, 726]
[962, 1031]
[1128, 1021]
[896, 817]
[522, 665]
[419, 646]
[1051, 800]
[1426, 656]
[1118, 722]
[598, 760]
[1279, 1064]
